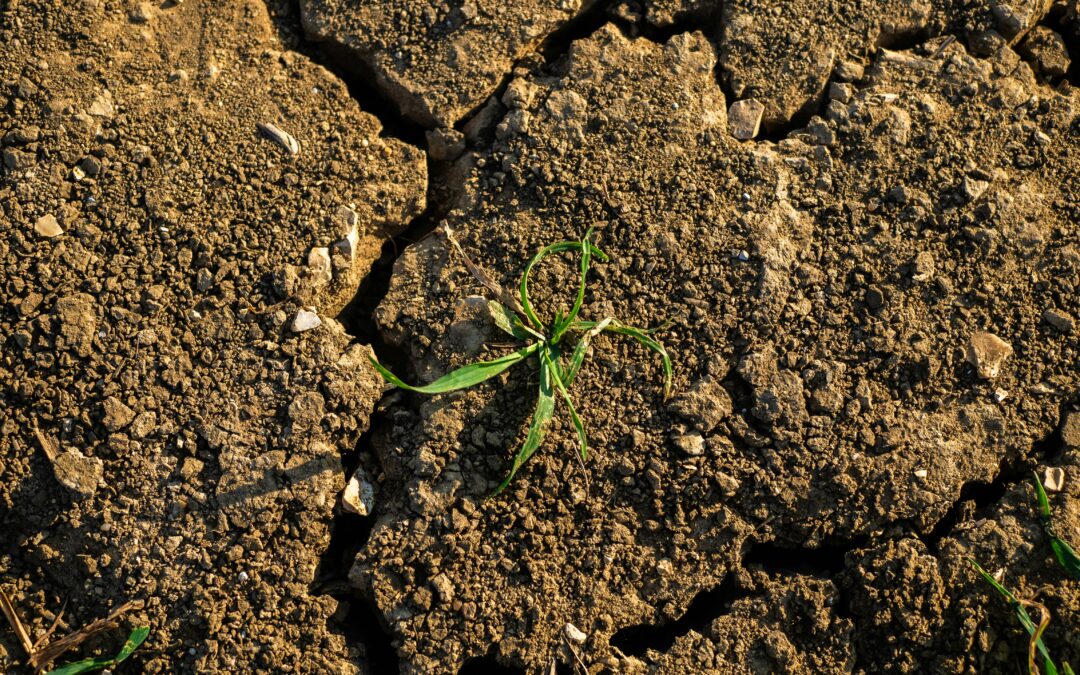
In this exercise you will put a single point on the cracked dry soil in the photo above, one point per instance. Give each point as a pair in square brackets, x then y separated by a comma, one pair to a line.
[187, 306]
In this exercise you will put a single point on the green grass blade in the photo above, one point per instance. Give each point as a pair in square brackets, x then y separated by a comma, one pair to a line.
[1066, 669]
[1066, 556]
[557, 247]
[642, 336]
[1040, 495]
[586, 259]
[463, 377]
[136, 638]
[508, 322]
[578, 357]
[545, 410]
[1021, 614]
[583, 441]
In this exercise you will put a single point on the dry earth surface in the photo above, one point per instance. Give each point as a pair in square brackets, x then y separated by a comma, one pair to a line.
[862, 220]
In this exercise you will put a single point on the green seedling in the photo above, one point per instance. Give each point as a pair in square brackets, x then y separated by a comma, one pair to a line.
[1066, 556]
[1035, 630]
[137, 637]
[545, 344]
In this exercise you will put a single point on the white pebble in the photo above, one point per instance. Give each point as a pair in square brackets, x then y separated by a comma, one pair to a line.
[306, 319]
[574, 634]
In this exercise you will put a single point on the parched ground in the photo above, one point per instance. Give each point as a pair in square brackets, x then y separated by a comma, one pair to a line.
[861, 220]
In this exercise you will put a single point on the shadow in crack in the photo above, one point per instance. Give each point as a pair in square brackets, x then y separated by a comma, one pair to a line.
[706, 607]
[823, 561]
[487, 665]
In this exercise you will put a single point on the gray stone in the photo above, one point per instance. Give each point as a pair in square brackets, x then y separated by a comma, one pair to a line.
[744, 118]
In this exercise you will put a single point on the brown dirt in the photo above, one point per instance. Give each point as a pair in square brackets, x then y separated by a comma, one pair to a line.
[808, 500]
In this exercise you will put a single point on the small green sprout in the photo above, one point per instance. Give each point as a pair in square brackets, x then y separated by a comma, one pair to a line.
[545, 343]
[1066, 556]
[1068, 560]
[137, 637]
[1035, 630]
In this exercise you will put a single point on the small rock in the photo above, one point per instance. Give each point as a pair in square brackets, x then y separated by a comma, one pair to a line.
[90, 166]
[987, 352]
[280, 137]
[445, 145]
[849, 71]
[874, 297]
[972, 189]
[744, 118]
[319, 265]
[306, 319]
[444, 588]
[1046, 52]
[692, 443]
[46, 226]
[1059, 320]
[1054, 478]
[77, 472]
[103, 105]
[841, 91]
[923, 267]
[574, 634]
[1070, 431]
[920, 473]
[729, 485]
[116, 414]
[142, 13]
[359, 495]
[18, 160]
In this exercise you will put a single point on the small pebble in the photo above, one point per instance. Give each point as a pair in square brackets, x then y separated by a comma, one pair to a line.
[987, 352]
[574, 634]
[47, 227]
[306, 319]
[744, 118]
[1054, 478]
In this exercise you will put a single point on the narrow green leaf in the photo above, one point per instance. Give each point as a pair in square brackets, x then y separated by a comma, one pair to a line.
[463, 377]
[84, 666]
[507, 321]
[557, 247]
[1040, 494]
[583, 441]
[1067, 669]
[1021, 614]
[1066, 556]
[136, 638]
[642, 336]
[545, 410]
[578, 357]
[586, 259]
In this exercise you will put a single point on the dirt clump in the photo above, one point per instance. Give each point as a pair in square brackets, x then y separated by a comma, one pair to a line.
[437, 61]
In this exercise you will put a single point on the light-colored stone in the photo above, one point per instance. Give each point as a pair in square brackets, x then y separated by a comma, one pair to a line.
[359, 495]
[77, 472]
[116, 414]
[1059, 320]
[988, 353]
[744, 118]
[46, 226]
[574, 634]
[305, 320]
[318, 263]
[1054, 478]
